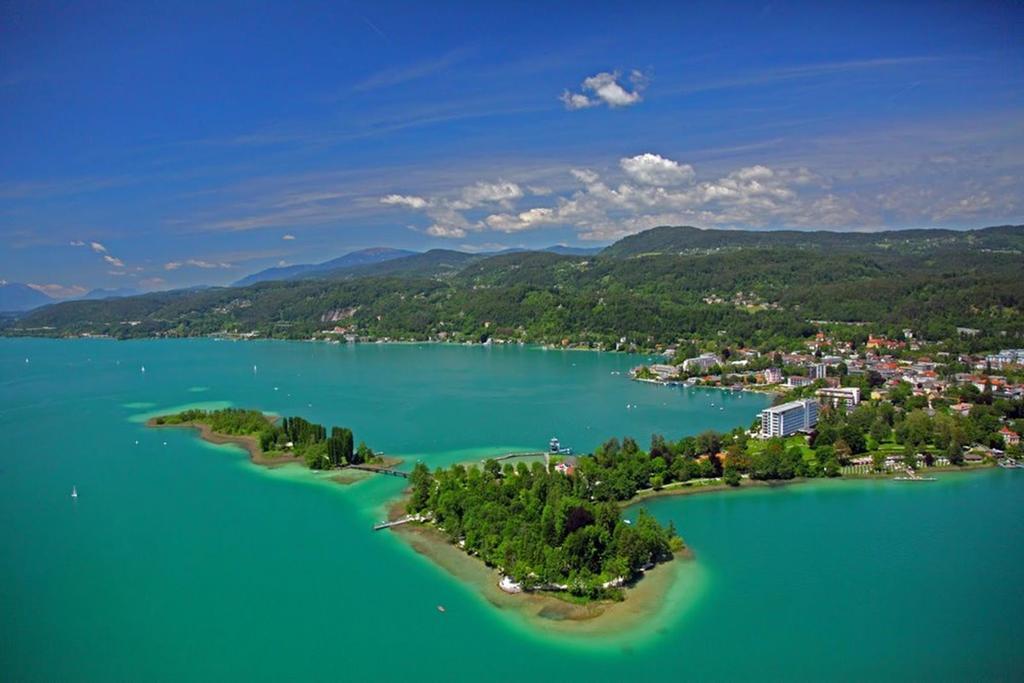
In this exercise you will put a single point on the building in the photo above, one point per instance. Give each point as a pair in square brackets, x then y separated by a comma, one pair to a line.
[789, 418]
[846, 397]
[1005, 358]
[1010, 437]
[663, 372]
[797, 381]
[701, 363]
[817, 371]
[772, 375]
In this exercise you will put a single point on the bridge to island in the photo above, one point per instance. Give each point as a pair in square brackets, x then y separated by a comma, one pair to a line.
[380, 470]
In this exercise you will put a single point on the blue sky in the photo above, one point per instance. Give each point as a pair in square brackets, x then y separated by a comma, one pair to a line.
[157, 145]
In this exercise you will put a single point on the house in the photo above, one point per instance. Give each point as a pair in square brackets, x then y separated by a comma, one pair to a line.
[1010, 437]
[961, 408]
[789, 418]
[847, 397]
[772, 376]
[883, 343]
[798, 381]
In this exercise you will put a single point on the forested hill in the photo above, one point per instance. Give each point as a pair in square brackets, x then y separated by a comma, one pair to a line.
[685, 239]
[757, 294]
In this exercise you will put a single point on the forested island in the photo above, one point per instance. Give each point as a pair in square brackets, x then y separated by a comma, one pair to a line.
[269, 441]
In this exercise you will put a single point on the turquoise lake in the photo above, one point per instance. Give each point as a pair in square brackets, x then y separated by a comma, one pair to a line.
[181, 561]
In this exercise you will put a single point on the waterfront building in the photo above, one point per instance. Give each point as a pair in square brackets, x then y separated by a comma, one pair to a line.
[772, 375]
[798, 381]
[789, 418]
[845, 397]
[1010, 437]
[701, 363]
[817, 371]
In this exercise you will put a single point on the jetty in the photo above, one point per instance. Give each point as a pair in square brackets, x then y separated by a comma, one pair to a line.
[913, 476]
[400, 521]
[380, 470]
[508, 456]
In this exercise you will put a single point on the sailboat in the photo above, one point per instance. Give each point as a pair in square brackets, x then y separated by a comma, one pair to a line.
[74, 492]
[143, 368]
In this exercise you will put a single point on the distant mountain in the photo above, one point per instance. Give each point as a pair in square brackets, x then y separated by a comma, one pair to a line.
[562, 249]
[306, 270]
[114, 293]
[574, 251]
[15, 296]
[429, 264]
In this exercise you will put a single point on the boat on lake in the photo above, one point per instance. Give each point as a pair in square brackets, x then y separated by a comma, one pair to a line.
[74, 492]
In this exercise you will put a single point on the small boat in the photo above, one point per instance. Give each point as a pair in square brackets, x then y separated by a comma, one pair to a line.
[143, 368]
[440, 608]
[74, 492]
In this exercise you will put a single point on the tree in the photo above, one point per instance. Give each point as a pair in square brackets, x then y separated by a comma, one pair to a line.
[880, 431]
[364, 453]
[878, 461]
[421, 481]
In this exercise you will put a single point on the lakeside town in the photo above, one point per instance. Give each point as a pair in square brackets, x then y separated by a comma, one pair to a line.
[978, 396]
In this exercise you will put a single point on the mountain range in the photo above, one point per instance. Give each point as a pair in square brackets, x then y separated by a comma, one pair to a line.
[655, 284]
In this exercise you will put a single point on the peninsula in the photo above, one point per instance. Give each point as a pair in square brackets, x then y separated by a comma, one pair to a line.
[552, 538]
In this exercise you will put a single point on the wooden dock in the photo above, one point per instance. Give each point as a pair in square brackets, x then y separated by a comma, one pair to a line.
[508, 456]
[400, 521]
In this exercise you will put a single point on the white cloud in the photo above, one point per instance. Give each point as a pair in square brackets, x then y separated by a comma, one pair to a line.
[196, 263]
[288, 237]
[652, 169]
[437, 230]
[404, 200]
[526, 220]
[644, 191]
[77, 243]
[577, 100]
[98, 248]
[605, 88]
[488, 193]
[113, 260]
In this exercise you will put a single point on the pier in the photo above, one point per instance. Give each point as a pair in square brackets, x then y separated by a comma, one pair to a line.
[508, 456]
[400, 521]
[380, 470]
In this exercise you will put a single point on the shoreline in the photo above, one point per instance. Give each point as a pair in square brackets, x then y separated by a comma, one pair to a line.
[546, 611]
[642, 599]
[746, 484]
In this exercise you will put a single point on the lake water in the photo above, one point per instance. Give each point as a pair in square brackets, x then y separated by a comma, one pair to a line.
[182, 561]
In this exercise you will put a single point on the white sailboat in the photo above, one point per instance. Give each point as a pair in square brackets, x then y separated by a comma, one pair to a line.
[74, 492]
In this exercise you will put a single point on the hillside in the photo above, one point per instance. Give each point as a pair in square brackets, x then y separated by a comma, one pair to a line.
[930, 281]
[686, 239]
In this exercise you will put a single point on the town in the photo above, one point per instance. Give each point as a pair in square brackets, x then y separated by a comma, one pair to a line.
[977, 397]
